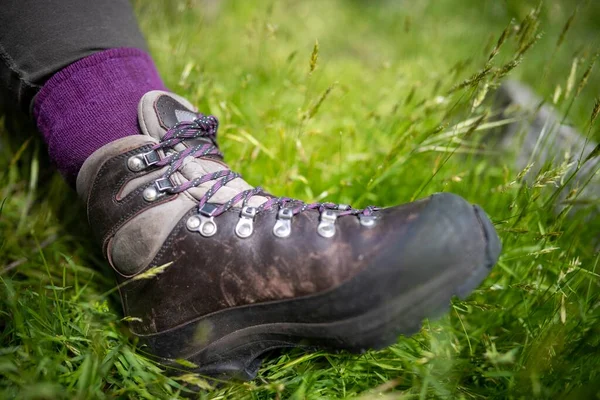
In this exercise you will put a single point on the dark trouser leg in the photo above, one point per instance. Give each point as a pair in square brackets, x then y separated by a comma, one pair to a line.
[39, 38]
[79, 67]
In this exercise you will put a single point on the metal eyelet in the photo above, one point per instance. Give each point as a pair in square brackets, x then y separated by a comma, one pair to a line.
[141, 161]
[343, 207]
[151, 158]
[163, 184]
[153, 192]
[283, 226]
[193, 223]
[245, 226]
[150, 193]
[326, 227]
[204, 222]
[367, 220]
[205, 225]
[136, 163]
[208, 226]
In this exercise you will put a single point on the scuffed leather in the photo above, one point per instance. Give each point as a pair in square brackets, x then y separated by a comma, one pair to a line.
[211, 274]
[137, 242]
[90, 167]
[107, 210]
[207, 275]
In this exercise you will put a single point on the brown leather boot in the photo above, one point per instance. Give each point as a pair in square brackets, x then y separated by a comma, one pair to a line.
[246, 272]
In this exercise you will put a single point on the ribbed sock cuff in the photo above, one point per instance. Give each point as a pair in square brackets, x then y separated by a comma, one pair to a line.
[93, 102]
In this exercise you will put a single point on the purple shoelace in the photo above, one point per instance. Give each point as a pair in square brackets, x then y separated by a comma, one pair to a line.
[205, 127]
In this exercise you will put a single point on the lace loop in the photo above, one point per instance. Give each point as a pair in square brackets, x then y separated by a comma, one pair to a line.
[205, 127]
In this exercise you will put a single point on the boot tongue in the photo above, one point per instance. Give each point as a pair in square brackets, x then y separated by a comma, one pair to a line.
[158, 111]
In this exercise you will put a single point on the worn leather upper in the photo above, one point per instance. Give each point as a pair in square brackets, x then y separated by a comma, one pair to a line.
[208, 274]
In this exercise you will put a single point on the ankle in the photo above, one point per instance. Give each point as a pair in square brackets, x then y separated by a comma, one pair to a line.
[93, 102]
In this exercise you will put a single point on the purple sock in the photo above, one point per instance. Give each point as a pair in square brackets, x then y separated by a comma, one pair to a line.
[93, 102]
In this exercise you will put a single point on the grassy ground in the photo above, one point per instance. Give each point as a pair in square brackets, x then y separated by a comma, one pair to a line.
[385, 111]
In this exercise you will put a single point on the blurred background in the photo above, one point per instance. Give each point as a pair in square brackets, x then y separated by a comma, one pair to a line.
[358, 102]
[425, 42]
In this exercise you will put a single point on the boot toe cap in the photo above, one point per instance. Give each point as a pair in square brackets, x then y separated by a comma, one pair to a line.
[450, 230]
[459, 230]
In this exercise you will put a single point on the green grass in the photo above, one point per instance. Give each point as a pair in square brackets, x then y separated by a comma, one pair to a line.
[385, 111]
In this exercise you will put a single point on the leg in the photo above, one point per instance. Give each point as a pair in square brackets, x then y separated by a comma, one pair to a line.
[80, 67]
[39, 38]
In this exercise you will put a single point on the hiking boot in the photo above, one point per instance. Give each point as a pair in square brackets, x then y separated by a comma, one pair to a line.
[217, 272]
